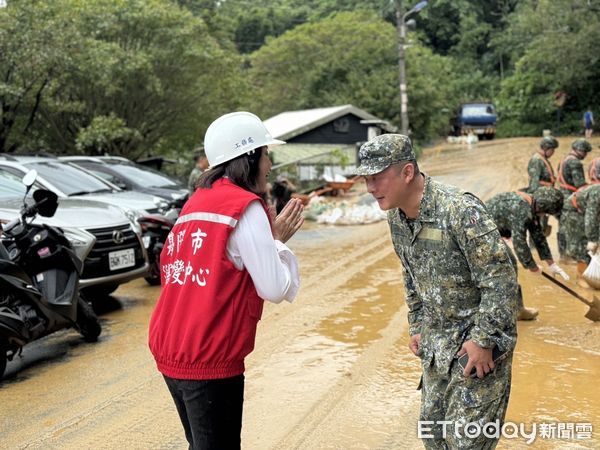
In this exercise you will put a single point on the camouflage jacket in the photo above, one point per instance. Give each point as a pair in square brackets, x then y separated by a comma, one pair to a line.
[514, 217]
[570, 173]
[459, 280]
[586, 202]
[540, 172]
[194, 175]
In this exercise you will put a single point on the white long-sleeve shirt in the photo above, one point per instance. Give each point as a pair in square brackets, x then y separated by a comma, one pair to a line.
[271, 264]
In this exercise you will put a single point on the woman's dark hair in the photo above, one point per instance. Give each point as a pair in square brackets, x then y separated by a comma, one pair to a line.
[242, 171]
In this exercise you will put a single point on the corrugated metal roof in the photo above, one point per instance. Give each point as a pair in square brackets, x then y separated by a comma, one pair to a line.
[293, 123]
[282, 155]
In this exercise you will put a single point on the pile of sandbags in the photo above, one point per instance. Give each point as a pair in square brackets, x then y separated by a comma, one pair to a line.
[351, 214]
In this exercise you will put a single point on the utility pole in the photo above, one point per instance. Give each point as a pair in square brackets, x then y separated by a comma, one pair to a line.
[401, 29]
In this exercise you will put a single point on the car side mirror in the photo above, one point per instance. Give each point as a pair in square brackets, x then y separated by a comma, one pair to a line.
[29, 178]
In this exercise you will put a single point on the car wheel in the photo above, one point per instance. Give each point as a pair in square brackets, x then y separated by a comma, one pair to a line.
[153, 277]
[100, 291]
[87, 321]
[3, 357]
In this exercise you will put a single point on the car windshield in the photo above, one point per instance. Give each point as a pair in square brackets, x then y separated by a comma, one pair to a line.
[144, 176]
[68, 179]
[11, 186]
[477, 110]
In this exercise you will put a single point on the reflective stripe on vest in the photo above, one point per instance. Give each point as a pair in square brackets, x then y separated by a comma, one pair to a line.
[592, 172]
[528, 198]
[550, 171]
[561, 177]
[574, 202]
[208, 217]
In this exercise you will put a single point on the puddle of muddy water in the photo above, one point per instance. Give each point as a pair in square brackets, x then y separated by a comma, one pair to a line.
[553, 381]
[378, 297]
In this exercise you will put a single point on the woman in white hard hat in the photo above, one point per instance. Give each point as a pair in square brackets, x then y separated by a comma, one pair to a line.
[223, 257]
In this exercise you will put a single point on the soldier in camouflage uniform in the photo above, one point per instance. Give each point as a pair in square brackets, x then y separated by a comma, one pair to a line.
[581, 224]
[461, 291]
[594, 171]
[541, 173]
[571, 177]
[201, 164]
[539, 169]
[516, 214]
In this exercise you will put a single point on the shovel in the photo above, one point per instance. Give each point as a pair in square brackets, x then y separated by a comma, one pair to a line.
[594, 311]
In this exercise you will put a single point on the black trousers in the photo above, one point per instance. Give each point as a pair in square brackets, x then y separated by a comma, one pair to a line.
[210, 411]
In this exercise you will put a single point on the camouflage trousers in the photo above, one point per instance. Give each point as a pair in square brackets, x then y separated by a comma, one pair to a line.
[454, 407]
[573, 226]
[515, 264]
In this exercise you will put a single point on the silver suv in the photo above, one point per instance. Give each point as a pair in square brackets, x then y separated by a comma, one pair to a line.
[68, 181]
[102, 236]
[132, 177]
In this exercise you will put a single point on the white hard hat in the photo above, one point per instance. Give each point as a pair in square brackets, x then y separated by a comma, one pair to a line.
[233, 135]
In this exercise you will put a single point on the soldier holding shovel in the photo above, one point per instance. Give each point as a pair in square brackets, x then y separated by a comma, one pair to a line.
[518, 213]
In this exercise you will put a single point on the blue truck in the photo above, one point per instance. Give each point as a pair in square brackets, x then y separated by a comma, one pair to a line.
[475, 118]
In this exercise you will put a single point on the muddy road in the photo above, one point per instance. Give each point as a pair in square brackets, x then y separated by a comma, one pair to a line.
[330, 371]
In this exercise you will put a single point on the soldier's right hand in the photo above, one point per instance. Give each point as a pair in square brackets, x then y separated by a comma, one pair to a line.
[415, 344]
[480, 358]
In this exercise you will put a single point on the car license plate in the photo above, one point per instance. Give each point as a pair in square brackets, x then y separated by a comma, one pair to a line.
[479, 131]
[121, 259]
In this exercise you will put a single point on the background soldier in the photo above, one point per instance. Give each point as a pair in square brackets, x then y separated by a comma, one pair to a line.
[571, 177]
[594, 171]
[201, 164]
[581, 224]
[461, 289]
[517, 213]
[539, 169]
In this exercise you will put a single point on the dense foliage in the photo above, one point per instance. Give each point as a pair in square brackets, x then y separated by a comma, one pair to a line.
[140, 77]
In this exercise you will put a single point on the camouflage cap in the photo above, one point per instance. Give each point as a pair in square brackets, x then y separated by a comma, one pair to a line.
[581, 145]
[383, 151]
[548, 143]
[548, 200]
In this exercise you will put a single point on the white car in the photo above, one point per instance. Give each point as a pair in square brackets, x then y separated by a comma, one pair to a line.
[108, 242]
[66, 180]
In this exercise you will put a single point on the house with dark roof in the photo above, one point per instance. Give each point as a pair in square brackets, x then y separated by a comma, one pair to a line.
[323, 137]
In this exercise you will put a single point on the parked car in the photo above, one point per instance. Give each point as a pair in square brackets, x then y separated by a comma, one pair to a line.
[475, 118]
[104, 238]
[132, 177]
[69, 181]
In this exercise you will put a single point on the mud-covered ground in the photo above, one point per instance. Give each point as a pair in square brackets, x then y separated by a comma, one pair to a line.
[330, 371]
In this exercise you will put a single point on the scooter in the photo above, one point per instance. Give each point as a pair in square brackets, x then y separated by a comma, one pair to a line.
[39, 280]
[155, 229]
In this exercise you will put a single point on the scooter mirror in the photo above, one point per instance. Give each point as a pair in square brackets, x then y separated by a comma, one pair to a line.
[46, 202]
[29, 178]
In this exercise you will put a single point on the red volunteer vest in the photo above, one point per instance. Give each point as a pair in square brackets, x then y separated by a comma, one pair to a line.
[204, 323]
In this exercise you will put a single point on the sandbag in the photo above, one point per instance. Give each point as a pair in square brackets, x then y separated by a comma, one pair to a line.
[592, 274]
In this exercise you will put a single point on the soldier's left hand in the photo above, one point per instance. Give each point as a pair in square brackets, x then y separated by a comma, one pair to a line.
[480, 358]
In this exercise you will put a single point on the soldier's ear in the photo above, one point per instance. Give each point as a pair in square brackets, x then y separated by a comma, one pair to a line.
[408, 171]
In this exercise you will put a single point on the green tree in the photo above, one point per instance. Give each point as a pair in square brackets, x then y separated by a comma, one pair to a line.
[148, 63]
[349, 58]
[145, 74]
[559, 54]
[34, 46]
